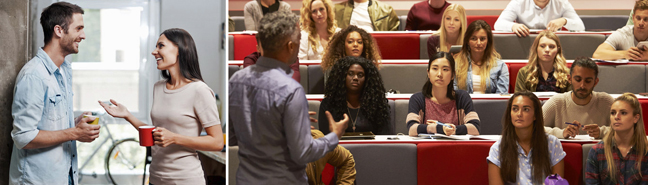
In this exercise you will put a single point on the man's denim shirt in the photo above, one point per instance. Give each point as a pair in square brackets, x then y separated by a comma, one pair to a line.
[42, 101]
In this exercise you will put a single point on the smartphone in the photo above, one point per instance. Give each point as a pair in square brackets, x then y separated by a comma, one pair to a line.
[642, 44]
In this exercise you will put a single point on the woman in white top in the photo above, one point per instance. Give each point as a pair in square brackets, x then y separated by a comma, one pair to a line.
[318, 26]
[182, 106]
[538, 14]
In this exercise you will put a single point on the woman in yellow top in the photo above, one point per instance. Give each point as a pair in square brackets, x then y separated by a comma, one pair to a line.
[547, 68]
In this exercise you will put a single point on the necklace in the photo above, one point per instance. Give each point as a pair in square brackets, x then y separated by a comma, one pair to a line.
[353, 121]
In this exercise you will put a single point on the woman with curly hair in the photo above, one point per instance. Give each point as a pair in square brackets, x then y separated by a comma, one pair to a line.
[351, 41]
[318, 26]
[479, 67]
[547, 68]
[440, 103]
[356, 88]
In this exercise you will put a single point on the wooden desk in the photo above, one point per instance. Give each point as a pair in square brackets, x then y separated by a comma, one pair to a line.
[217, 156]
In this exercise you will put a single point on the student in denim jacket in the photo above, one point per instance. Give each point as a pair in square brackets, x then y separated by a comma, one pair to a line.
[479, 68]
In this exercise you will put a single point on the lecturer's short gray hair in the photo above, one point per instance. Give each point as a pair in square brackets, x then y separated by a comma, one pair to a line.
[275, 28]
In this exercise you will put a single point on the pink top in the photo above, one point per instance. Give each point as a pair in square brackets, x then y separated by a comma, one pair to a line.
[444, 113]
[185, 111]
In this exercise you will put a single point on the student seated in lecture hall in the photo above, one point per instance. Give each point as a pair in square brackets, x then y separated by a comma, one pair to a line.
[524, 154]
[350, 41]
[479, 67]
[439, 102]
[340, 158]
[585, 111]
[355, 88]
[621, 157]
[256, 9]
[547, 68]
[426, 15]
[622, 44]
[551, 15]
[451, 33]
[370, 15]
[318, 26]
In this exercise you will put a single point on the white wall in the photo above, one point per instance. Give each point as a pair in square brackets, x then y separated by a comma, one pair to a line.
[204, 20]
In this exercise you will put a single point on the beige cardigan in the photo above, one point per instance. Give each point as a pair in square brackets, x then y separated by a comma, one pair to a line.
[253, 13]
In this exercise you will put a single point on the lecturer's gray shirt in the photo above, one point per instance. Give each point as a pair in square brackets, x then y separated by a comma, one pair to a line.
[268, 114]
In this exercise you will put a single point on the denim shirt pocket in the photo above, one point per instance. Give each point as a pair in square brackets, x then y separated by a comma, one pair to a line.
[54, 107]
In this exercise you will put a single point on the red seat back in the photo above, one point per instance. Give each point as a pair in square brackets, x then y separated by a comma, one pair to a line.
[398, 46]
[244, 45]
[514, 68]
[573, 162]
[453, 162]
[644, 110]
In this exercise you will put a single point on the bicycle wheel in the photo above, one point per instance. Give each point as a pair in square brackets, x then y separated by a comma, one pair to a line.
[125, 162]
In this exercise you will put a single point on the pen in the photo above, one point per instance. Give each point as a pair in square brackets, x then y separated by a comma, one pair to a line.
[574, 124]
[445, 125]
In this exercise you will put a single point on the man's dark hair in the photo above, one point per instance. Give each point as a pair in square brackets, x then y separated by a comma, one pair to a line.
[59, 13]
[275, 28]
[585, 62]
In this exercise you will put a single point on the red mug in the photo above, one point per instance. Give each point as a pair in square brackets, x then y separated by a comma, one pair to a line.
[146, 135]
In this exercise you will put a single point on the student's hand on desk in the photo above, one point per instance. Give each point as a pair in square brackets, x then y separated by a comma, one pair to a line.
[431, 128]
[634, 53]
[571, 130]
[164, 137]
[450, 131]
[556, 24]
[337, 127]
[119, 110]
[520, 30]
[85, 132]
[593, 130]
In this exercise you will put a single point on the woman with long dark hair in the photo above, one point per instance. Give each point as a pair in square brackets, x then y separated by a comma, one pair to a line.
[625, 147]
[439, 102]
[525, 154]
[356, 88]
[182, 106]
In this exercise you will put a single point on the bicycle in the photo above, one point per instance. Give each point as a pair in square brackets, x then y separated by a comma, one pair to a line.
[124, 156]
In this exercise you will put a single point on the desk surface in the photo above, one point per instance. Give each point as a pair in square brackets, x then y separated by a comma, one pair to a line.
[541, 96]
[404, 139]
[218, 156]
[433, 32]
[425, 61]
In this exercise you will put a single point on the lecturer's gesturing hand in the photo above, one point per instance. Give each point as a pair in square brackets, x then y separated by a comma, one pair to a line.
[337, 127]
